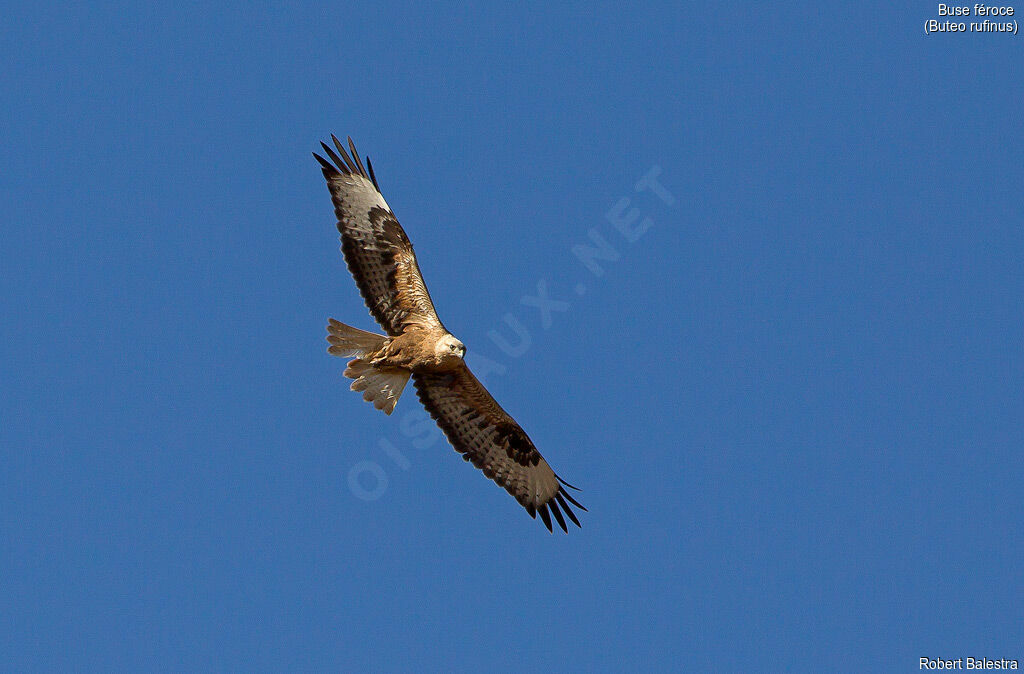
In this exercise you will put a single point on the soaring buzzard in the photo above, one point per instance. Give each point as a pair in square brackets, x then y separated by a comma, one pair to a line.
[381, 259]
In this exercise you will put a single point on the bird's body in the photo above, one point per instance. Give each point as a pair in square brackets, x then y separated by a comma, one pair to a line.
[418, 346]
[420, 350]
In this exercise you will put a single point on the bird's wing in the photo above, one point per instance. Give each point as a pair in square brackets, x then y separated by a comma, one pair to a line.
[376, 249]
[485, 434]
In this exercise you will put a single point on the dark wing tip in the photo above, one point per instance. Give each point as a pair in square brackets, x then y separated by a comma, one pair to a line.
[326, 166]
[355, 155]
[567, 484]
[373, 177]
[555, 507]
[344, 162]
[568, 510]
[344, 154]
[558, 515]
[573, 501]
[543, 510]
[339, 165]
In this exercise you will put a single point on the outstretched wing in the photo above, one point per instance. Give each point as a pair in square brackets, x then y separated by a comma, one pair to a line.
[485, 434]
[377, 251]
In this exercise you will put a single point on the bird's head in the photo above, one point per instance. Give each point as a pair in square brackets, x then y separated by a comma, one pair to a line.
[448, 348]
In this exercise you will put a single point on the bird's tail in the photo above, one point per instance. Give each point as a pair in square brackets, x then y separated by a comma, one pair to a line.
[382, 386]
[349, 342]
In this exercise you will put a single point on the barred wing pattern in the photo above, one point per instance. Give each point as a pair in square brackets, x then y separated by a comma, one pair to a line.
[485, 434]
[376, 249]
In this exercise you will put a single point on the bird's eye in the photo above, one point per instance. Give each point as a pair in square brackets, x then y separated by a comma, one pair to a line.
[452, 347]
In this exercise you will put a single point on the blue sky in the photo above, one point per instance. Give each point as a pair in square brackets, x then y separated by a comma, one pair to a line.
[794, 401]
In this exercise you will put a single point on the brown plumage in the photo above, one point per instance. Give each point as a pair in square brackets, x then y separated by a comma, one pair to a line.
[381, 259]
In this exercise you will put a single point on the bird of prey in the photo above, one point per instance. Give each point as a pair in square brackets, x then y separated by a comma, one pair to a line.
[417, 345]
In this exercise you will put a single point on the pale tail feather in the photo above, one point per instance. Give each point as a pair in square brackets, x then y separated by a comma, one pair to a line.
[383, 387]
[349, 342]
